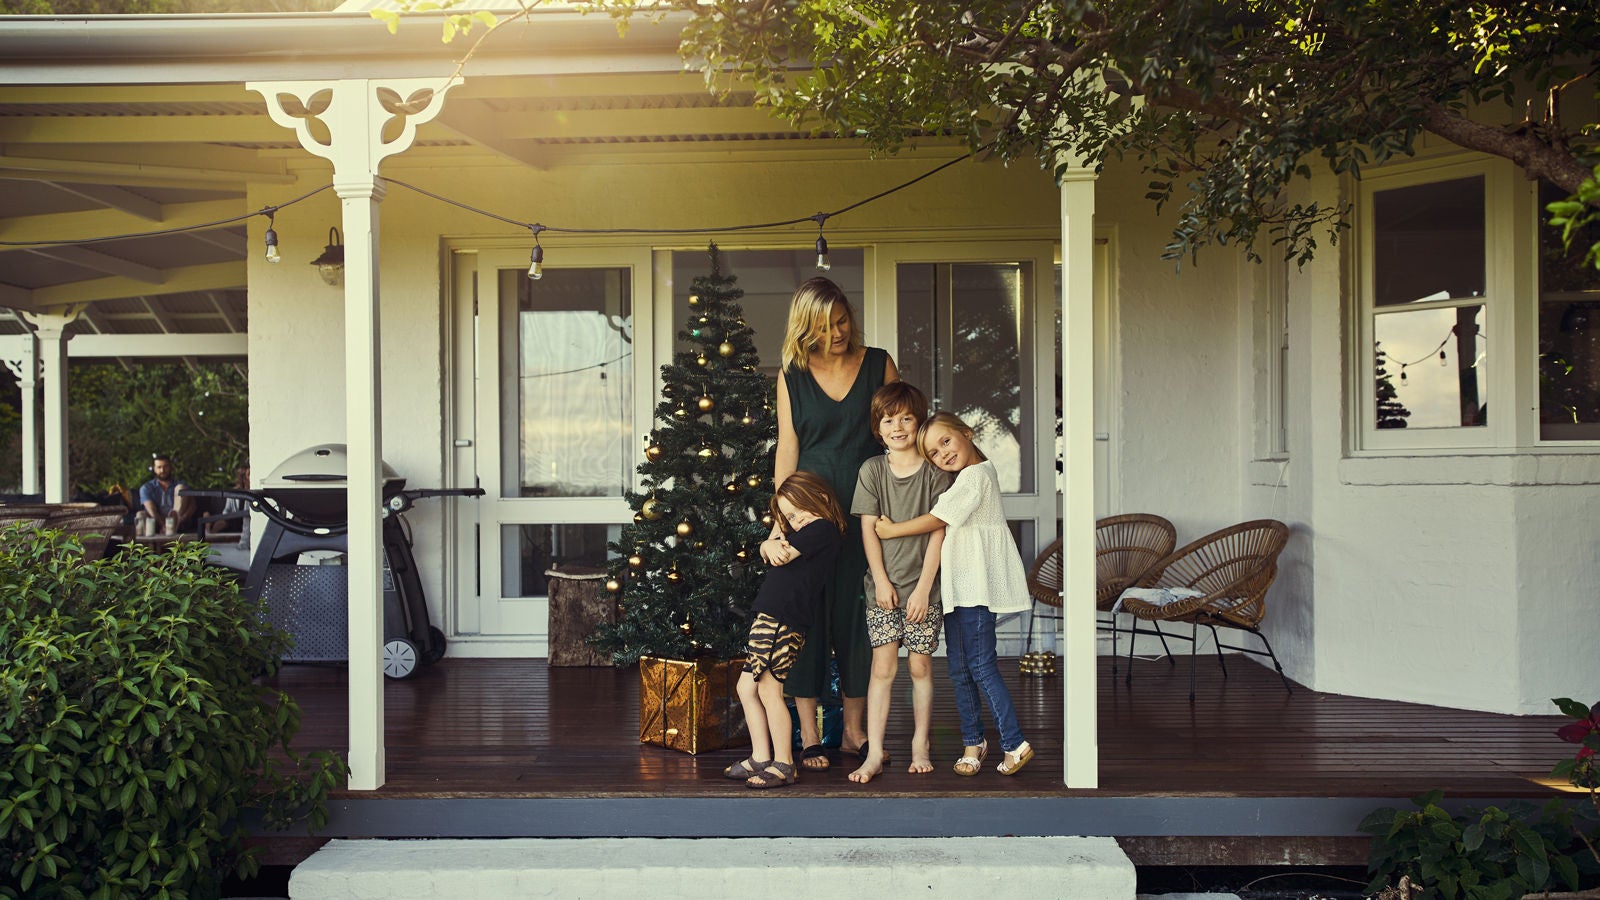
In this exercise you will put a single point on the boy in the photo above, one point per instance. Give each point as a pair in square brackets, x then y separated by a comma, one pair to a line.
[902, 587]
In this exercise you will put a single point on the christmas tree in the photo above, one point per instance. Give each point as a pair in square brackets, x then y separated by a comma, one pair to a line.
[688, 567]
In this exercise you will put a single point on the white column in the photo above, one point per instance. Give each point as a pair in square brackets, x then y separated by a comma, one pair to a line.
[22, 358]
[50, 329]
[1079, 666]
[355, 121]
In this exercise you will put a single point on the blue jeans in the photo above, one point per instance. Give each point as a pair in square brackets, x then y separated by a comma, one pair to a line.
[975, 668]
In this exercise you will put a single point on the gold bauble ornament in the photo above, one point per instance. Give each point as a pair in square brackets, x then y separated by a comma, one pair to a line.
[674, 577]
[685, 529]
[706, 404]
[724, 349]
[700, 359]
[636, 560]
[666, 390]
[686, 628]
[694, 299]
[651, 509]
[754, 481]
[637, 518]
[731, 487]
[699, 545]
[652, 452]
[742, 554]
[613, 585]
[704, 320]
[766, 521]
[680, 412]
[706, 452]
[746, 420]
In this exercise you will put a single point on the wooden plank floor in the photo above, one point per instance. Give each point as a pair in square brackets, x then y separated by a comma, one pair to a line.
[518, 729]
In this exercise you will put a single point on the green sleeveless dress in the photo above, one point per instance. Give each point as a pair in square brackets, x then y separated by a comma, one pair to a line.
[835, 438]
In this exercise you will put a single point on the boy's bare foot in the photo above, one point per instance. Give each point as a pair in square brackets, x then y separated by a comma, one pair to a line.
[921, 763]
[870, 769]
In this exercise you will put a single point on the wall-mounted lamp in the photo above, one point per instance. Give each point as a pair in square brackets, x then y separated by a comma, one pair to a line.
[330, 265]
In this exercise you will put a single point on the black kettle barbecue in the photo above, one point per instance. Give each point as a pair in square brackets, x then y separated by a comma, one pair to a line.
[304, 501]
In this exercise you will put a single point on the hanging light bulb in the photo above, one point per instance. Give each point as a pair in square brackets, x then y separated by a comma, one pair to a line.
[536, 258]
[1443, 362]
[272, 242]
[823, 262]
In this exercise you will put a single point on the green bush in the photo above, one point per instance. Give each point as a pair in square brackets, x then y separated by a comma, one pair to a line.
[132, 729]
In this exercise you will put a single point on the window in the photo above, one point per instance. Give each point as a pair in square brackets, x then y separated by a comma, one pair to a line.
[1475, 328]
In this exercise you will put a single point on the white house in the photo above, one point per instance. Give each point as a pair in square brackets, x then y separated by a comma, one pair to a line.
[1448, 563]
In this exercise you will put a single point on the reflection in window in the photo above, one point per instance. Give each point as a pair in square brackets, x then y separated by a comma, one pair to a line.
[531, 550]
[1430, 369]
[966, 340]
[1428, 242]
[568, 343]
[1569, 331]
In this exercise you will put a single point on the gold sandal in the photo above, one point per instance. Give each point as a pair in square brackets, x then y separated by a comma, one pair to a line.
[970, 765]
[1014, 760]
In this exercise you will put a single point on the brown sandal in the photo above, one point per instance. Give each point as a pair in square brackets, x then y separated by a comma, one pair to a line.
[743, 769]
[774, 774]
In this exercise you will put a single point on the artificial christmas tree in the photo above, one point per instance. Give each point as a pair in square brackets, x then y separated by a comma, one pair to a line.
[688, 567]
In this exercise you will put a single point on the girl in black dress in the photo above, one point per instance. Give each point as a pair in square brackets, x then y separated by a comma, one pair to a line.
[812, 525]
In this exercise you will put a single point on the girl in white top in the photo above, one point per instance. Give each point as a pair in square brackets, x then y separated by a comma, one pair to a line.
[981, 575]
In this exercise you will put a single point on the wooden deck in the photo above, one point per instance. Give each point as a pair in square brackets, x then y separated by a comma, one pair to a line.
[513, 747]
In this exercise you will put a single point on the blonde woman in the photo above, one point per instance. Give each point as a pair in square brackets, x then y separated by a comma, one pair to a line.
[824, 399]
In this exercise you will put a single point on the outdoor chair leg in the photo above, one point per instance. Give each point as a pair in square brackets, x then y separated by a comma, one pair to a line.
[1133, 638]
[1164, 648]
[1274, 656]
[1217, 642]
[1033, 613]
[1194, 635]
[1113, 644]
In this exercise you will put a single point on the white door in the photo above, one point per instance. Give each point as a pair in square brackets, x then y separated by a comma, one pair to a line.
[551, 374]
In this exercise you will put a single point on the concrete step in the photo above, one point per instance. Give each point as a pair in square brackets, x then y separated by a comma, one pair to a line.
[705, 868]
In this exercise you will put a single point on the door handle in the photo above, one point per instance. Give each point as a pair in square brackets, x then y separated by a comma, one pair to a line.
[463, 442]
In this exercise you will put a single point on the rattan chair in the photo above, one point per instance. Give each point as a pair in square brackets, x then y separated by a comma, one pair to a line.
[1234, 567]
[1125, 547]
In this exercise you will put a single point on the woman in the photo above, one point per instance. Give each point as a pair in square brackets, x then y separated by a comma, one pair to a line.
[824, 398]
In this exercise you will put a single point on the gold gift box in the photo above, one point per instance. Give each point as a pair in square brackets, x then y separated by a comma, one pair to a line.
[690, 706]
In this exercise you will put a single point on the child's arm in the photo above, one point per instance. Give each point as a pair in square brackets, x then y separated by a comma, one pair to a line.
[882, 591]
[923, 524]
[917, 606]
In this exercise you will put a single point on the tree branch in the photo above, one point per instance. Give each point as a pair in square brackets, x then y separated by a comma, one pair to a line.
[1538, 158]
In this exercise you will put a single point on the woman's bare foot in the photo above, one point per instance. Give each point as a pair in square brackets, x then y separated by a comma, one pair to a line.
[921, 763]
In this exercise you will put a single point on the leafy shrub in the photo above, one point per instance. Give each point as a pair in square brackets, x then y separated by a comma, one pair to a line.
[132, 730]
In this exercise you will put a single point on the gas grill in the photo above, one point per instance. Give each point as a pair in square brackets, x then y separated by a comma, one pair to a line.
[305, 502]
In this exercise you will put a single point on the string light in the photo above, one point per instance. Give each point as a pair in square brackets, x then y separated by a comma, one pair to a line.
[536, 259]
[272, 240]
[823, 262]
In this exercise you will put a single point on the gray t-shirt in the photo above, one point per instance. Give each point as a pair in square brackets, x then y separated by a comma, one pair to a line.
[880, 493]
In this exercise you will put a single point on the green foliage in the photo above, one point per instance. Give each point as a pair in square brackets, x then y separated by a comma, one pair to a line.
[1226, 104]
[689, 595]
[1488, 854]
[119, 418]
[134, 733]
[1578, 213]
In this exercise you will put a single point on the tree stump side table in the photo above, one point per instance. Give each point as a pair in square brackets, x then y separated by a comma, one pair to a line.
[578, 602]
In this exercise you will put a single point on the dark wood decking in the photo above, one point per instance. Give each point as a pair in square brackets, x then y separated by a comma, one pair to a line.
[478, 728]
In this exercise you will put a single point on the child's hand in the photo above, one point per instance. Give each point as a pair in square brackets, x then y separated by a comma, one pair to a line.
[776, 551]
[917, 606]
[888, 598]
[884, 528]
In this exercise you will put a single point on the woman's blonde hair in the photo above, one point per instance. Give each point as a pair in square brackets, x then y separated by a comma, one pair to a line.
[809, 493]
[810, 313]
[949, 420]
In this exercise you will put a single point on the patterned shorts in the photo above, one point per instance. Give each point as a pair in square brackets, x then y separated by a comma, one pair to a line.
[772, 647]
[886, 626]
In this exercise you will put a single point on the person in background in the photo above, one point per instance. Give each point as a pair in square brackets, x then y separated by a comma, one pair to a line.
[162, 496]
[824, 394]
[241, 524]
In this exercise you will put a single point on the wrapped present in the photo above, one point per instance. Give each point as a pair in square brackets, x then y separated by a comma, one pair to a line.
[1039, 663]
[690, 705]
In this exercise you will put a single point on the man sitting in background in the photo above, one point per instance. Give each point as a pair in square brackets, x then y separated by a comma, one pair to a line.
[162, 496]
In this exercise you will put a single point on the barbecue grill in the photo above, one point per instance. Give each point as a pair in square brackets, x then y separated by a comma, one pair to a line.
[305, 502]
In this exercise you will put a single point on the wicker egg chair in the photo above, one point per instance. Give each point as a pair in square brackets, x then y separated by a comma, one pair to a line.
[1233, 567]
[1124, 548]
